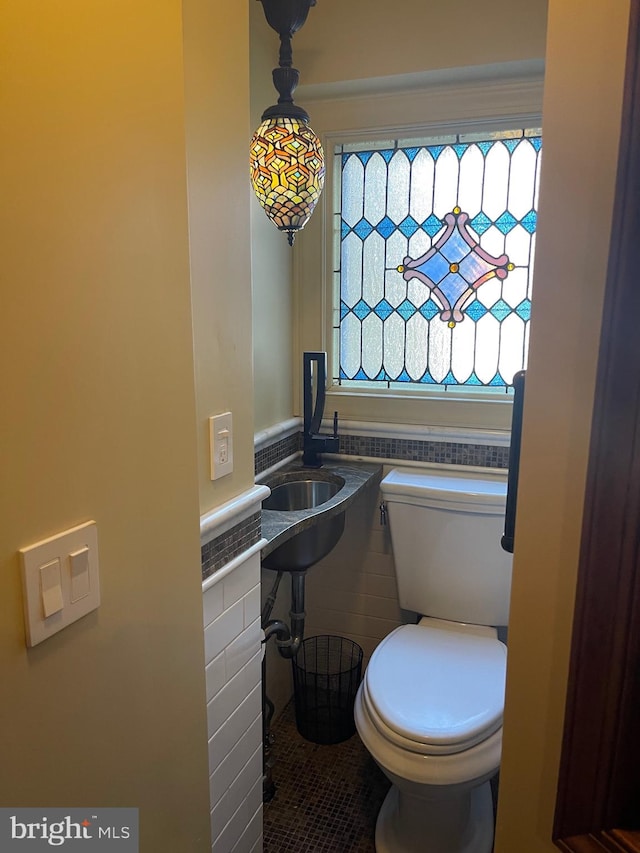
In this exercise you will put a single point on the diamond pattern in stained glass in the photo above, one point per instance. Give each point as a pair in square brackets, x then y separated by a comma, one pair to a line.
[476, 311]
[406, 310]
[453, 288]
[507, 222]
[363, 229]
[408, 226]
[501, 310]
[530, 221]
[429, 310]
[386, 227]
[468, 267]
[480, 223]
[383, 310]
[432, 225]
[361, 310]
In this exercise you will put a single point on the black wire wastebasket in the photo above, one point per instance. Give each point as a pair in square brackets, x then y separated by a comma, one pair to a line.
[326, 675]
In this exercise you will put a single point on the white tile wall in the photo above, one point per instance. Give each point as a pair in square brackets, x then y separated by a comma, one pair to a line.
[352, 592]
[233, 658]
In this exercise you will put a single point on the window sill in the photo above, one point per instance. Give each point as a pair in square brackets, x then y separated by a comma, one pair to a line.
[458, 412]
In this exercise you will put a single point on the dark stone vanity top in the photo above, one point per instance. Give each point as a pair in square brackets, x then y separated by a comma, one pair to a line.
[279, 526]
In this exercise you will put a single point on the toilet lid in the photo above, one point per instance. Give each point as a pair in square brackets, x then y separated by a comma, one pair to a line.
[437, 691]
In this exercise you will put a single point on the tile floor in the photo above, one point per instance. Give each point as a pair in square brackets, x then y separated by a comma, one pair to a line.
[327, 797]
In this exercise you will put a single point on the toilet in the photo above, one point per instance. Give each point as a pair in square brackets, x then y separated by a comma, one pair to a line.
[429, 708]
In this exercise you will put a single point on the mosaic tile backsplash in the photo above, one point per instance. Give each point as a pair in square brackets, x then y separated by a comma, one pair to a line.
[224, 548]
[268, 456]
[400, 449]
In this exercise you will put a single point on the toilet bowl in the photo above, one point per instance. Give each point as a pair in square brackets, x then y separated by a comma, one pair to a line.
[429, 709]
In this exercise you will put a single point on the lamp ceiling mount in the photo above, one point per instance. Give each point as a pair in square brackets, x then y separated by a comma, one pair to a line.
[286, 17]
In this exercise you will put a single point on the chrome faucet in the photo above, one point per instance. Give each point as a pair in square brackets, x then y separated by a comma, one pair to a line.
[315, 442]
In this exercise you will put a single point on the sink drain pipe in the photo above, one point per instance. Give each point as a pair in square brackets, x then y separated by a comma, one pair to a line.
[289, 638]
[288, 641]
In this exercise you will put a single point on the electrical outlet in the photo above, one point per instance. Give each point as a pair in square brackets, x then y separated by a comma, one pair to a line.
[221, 445]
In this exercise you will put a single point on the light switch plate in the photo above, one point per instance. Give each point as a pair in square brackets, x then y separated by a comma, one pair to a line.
[221, 445]
[75, 551]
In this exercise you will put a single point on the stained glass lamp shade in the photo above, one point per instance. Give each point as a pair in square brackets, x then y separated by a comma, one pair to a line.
[287, 171]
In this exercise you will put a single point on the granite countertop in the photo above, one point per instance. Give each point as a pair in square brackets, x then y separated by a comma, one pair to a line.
[279, 526]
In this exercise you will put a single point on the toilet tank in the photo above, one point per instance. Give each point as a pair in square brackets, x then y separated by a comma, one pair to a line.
[445, 532]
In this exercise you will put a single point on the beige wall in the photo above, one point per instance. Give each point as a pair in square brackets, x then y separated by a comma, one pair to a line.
[98, 413]
[217, 130]
[371, 38]
[581, 128]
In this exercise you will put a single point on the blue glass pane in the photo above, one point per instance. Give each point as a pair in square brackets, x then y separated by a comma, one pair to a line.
[498, 381]
[361, 310]
[363, 229]
[361, 375]
[386, 227]
[450, 379]
[383, 310]
[455, 248]
[344, 229]
[382, 376]
[480, 223]
[536, 141]
[429, 310]
[475, 311]
[432, 225]
[408, 226]
[406, 310]
[511, 144]
[435, 150]
[344, 310]
[506, 222]
[485, 147]
[524, 309]
[428, 379]
[530, 221]
[473, 379]
[404, 377]
[435, 268]
[365, 156]
[501, 310]
[412, 153]
[387, 155]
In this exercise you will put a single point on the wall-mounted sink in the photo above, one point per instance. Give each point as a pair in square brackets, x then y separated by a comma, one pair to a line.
[303, 518]
[308, 493]
[302, 492]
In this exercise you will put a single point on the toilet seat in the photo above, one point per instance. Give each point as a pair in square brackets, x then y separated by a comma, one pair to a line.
[435, 692]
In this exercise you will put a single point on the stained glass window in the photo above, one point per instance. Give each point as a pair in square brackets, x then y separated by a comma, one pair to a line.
[434, 247]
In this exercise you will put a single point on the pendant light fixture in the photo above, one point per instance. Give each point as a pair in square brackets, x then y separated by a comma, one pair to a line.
[286, 157]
